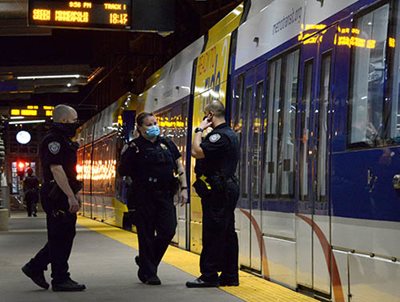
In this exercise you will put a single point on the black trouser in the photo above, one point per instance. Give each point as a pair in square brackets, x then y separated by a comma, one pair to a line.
[156, 224]
[220, 243]
[60, 234]
[30, 206]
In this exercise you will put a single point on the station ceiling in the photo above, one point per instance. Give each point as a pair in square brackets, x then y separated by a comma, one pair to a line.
[109, 63]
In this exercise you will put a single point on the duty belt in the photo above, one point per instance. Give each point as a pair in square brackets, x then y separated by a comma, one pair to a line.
[155, 183]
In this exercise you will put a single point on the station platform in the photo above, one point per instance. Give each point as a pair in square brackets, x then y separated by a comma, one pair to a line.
[103, 259]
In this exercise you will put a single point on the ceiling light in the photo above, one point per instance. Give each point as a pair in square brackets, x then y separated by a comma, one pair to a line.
[59, 76]
[17, 117]
[27, 122]
[23, 137]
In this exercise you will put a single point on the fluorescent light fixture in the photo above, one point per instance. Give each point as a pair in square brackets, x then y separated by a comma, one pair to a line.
[17, 117]
[59, 76]
[27, 122]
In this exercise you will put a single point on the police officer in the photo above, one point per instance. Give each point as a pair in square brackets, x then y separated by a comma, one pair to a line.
[217, 157]
[58, 156]
[151, 162]
[31, 192]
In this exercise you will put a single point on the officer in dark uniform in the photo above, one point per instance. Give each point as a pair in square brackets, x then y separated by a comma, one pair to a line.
[58, 156]
[217, 157]
[151, 162]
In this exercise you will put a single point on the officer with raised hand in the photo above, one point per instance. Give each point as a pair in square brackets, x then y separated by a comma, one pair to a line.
[58, 155]
[217, 157]
[154, 165]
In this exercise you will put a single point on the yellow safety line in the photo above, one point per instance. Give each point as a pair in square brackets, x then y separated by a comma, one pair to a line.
[252, 288]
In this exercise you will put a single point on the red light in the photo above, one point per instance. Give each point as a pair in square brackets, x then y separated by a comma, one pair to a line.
[21, 166]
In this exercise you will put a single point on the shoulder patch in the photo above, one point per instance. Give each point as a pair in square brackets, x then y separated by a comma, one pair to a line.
[215, 137]
[54, 147]
[132, 144]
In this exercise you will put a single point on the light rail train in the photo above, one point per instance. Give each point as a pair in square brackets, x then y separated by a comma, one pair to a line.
[312, 89]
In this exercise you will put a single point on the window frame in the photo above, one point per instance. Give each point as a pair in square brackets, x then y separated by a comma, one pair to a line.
[386, 106]
[277, 195]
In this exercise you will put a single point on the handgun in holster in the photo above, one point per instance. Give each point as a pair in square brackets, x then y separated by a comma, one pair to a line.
[202, 187]
[217, 183]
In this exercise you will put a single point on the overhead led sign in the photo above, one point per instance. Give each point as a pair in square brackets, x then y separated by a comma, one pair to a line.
[32, 110]
[81, 14]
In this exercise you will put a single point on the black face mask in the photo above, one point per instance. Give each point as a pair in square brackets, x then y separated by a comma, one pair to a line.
[69, 129]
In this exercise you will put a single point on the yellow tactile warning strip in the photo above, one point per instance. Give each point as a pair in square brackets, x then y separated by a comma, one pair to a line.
[252, 288]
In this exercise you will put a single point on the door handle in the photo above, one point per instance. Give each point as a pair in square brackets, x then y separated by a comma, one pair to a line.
[371, 180]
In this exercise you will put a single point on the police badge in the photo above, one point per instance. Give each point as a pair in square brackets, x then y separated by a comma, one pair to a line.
[215, 137]
[54, 147]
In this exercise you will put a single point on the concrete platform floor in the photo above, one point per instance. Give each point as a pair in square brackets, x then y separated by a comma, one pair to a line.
[103, 259]
[104, 265]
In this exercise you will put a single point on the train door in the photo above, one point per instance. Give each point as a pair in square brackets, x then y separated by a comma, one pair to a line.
[313, 220]
[247, 122]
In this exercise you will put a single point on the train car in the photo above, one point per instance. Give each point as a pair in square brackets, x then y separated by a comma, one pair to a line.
[312, 91]
[318, 118]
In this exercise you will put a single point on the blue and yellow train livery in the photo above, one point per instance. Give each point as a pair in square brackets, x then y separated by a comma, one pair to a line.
[312, 91]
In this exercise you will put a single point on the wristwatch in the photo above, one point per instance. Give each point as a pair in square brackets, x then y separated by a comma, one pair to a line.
[198, 129]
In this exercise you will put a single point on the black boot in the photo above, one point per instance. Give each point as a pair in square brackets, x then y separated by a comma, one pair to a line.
[199, 283]
[68, 285]
[37, 276]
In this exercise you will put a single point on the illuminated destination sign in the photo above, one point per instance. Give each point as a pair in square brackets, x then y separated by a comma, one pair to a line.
[81, 14]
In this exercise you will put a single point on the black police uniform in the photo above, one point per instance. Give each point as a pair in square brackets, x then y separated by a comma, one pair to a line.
[219, 198]
[57, 149]
[151, 167]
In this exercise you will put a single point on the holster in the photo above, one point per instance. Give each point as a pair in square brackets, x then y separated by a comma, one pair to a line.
[218, 183]
[129, 219]
[175, 185]
[201, 187]
[58, 198]
[131, 197]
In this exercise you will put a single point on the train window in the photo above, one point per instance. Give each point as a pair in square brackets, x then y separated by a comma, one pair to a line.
[256, 141]
[394, 131]
[182, 131]
[271, 150]
[322, 128]
[280, 133]
[244, 164]
[236, 119]
[305, 126]
[368, 79]
[236, 122]
[287, 122]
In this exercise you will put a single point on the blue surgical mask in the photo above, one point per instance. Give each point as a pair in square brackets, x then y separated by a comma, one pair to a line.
[153, 131]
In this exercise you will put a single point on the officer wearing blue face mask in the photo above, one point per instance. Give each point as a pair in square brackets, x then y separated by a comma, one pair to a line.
[154, 165]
